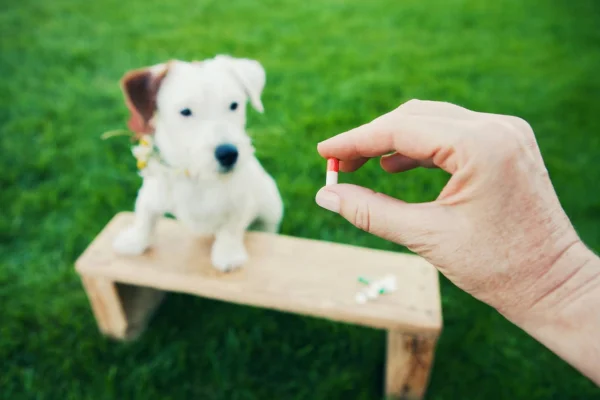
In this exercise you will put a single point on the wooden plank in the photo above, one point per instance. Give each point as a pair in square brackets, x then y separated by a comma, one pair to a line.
[106, 306]
[303, 276]
[139, 304]
[408, 365]
[121, 311]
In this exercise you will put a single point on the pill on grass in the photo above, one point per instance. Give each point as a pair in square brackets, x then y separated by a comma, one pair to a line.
[333, 167]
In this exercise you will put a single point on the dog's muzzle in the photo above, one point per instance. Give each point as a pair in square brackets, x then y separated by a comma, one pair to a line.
[226, 155]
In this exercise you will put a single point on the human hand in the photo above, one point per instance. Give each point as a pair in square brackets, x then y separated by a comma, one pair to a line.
[497, 229]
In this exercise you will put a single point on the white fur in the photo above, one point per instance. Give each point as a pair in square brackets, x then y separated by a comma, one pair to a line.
[208, 201]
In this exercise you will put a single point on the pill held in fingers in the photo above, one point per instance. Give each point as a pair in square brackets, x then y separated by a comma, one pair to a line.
[333, 167]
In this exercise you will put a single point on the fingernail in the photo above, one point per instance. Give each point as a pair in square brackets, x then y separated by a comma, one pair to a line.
[328, 200]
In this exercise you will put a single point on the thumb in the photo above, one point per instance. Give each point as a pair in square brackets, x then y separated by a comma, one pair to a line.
[382, 215]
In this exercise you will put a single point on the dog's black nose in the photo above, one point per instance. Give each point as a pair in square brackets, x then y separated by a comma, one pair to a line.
[227, 155]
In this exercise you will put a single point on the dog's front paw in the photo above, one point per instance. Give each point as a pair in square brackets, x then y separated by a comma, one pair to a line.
[228, 255]
[131, 242]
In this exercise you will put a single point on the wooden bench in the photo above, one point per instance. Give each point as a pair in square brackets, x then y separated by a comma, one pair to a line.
[310, 277]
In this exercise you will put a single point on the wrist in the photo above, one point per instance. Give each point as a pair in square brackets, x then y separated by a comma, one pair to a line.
[567, 285]
[564, 316]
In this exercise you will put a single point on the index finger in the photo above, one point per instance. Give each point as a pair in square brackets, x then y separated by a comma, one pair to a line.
[415, 136]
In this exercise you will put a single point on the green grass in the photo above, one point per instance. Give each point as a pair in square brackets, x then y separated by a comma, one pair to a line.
[331, 65]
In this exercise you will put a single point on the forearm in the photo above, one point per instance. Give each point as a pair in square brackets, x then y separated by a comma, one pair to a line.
[566, 319]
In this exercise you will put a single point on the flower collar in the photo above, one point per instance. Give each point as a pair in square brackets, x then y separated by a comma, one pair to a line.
[146, 151]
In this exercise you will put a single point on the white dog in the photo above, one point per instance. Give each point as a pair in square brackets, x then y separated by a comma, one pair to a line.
[203, 169]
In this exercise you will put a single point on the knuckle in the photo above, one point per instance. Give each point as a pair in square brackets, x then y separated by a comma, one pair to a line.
[497, 141]
[362, 216]
[520, 125]
[411, 105]
[525, 131]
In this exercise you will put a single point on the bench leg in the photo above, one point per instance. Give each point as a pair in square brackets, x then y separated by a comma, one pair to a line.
[121, 311]
[408, 364]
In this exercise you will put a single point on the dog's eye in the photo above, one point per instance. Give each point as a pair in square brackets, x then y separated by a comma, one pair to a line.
[233, 106]
[186, 112]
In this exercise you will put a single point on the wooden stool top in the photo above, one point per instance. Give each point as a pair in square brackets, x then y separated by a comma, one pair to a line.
[304, 276]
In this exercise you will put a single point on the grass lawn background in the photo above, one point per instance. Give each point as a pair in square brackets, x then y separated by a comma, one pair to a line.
[331, 65]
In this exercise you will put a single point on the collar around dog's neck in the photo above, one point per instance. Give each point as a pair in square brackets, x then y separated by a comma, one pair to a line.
[146, 150]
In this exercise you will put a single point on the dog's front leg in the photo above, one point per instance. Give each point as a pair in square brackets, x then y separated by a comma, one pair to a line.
[229, 251]
[136, 238]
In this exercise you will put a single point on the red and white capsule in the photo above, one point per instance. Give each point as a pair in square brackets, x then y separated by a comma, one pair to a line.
[333, 167]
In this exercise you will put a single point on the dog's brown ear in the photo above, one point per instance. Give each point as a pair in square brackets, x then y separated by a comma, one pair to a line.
[140, 88]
